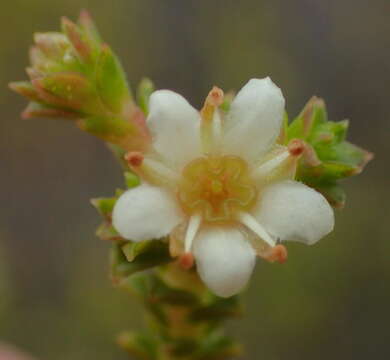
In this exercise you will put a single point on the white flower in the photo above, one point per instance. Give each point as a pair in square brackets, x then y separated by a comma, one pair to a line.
[220, 185]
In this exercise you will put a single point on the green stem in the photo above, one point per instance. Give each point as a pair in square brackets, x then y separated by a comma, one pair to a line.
[185, 320]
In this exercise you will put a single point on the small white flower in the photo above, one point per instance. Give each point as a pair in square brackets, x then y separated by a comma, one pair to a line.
[221, 186]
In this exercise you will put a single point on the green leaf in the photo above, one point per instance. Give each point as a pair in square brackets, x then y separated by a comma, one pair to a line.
[217, 310]
[132, 180]
[104, 205]
[217, 346]
[227, 100]
[107, 128]
[138, 256]
[143, 255]
[328, 157]
[351, 154]
[333, 192]
[89, 28]
[139, 344]
[153, 289]
[145, 89]
[183, 347]
[325, 172]
[69, 90]
[312, 115]
[107, 232]
[329, 133]
[78, 39]
[35, 110]
[25, 88]
[111, 81]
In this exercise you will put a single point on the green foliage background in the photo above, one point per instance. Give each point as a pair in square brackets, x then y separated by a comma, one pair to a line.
[330, 300]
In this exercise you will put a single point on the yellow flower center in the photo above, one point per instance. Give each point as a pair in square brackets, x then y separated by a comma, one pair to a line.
[216, 187]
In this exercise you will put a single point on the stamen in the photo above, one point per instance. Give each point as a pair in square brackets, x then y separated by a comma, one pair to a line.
[186, 261]
[192, 229]
[249, 221]
[156, 172]
[211, 127]
[160, 169]
[268, 166]
[134, 158]
[217, 127]
[215, 97]
[296, 147]
[277, 253]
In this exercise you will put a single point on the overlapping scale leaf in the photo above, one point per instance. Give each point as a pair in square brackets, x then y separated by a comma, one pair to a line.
[141, 345]
[74, 75]
[328, 156]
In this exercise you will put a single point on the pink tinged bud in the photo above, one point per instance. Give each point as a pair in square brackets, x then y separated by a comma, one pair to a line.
[35, 110]
[33, 73]
[26, 89]
[52, 44]
[37, 57]
[77, 39]
[68, 90]
[87, 24]
[308, 111]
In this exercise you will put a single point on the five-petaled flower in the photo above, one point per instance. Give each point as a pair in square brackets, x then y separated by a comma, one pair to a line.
[219, 184]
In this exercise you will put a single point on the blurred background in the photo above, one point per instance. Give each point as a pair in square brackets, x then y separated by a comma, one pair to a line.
[330, 300]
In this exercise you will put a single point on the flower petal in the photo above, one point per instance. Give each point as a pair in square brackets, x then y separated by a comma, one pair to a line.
[290, 210]
[175, 127]
[145, 213]
[224, 259]
[254, 120]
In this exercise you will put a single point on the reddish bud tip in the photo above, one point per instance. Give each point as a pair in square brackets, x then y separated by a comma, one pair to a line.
[134, 158]
[296, 147]
[186, 261]
[277, 253]
[280, 253]
[215, 97]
